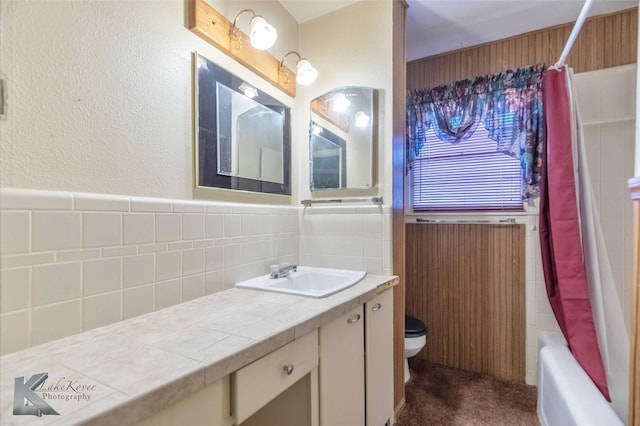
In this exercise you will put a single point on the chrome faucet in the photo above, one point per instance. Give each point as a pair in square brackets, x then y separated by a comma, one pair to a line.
[282, 270]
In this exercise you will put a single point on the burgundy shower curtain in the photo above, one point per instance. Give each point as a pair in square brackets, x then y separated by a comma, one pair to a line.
[560, 241]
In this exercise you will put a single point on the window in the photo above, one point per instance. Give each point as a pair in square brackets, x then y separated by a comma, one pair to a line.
[476, 144]
[469, 175]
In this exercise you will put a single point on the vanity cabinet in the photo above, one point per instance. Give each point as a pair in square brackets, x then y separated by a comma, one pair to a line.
[338, 375]
[379, 359]
[341, 377]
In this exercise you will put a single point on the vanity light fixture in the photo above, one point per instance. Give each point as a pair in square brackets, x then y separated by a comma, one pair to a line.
[248, 90]
[305, 72]
[262, 34]
[340, 103]
[362, 119]
[214, 27]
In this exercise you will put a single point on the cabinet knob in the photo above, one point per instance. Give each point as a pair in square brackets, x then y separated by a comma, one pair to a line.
[353, 319]
[288, 368]
[376, 307]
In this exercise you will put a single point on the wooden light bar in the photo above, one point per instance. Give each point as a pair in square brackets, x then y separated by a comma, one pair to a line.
[213, 27]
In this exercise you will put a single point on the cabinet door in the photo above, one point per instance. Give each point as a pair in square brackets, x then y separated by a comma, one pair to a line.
[379, 358]
[342, 370]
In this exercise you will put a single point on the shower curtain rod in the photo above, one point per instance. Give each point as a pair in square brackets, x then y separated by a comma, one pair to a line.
[574, 33]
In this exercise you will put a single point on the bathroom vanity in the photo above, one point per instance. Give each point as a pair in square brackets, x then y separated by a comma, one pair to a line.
[237, 357]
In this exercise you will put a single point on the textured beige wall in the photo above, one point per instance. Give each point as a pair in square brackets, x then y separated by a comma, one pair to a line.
[99, 93]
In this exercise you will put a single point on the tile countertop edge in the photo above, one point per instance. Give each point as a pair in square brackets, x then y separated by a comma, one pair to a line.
[137, 407]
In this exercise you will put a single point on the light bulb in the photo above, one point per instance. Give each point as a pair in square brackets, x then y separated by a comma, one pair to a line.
[262, 34]
[306, 73]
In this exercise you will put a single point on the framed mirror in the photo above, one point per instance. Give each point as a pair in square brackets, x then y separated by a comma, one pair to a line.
[341, 139]
[243, 135]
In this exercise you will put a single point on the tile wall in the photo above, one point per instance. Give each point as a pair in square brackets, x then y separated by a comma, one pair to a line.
[349, 237]
[607, 105]
[72, 262]
[539, 315]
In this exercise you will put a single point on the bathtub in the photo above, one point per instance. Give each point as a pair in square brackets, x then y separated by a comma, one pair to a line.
[566, 395]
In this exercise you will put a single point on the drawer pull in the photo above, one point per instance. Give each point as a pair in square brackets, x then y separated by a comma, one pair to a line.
[288, 368]
[353, 319]
[376, 307]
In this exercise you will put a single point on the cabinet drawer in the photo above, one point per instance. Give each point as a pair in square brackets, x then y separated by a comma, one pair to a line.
[258, 383]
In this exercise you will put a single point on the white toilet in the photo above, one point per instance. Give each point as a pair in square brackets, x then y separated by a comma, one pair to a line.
[415, 337]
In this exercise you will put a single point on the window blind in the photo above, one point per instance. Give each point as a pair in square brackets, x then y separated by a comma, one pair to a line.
[470, 175]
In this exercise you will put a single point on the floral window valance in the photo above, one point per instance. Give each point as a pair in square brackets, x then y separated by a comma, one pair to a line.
[508, 105]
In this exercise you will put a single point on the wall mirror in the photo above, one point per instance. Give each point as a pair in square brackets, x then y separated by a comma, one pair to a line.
[244, 135]
[341, 139]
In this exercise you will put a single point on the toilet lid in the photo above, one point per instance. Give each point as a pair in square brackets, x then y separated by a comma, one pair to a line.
[413, 326]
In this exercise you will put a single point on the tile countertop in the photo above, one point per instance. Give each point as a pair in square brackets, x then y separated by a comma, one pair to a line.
[121, 373]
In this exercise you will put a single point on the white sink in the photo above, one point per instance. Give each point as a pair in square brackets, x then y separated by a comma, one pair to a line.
[307, 281]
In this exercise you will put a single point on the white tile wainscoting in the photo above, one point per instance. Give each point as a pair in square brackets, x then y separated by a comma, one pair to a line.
[72, 262]
[75, 261]
[348, 237]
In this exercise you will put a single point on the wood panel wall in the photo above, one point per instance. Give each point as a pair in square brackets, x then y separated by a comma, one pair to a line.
[605, 41]
[467, 283]
[399, 132]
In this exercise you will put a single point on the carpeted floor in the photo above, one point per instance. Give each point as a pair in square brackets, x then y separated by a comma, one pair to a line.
[442, 396]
